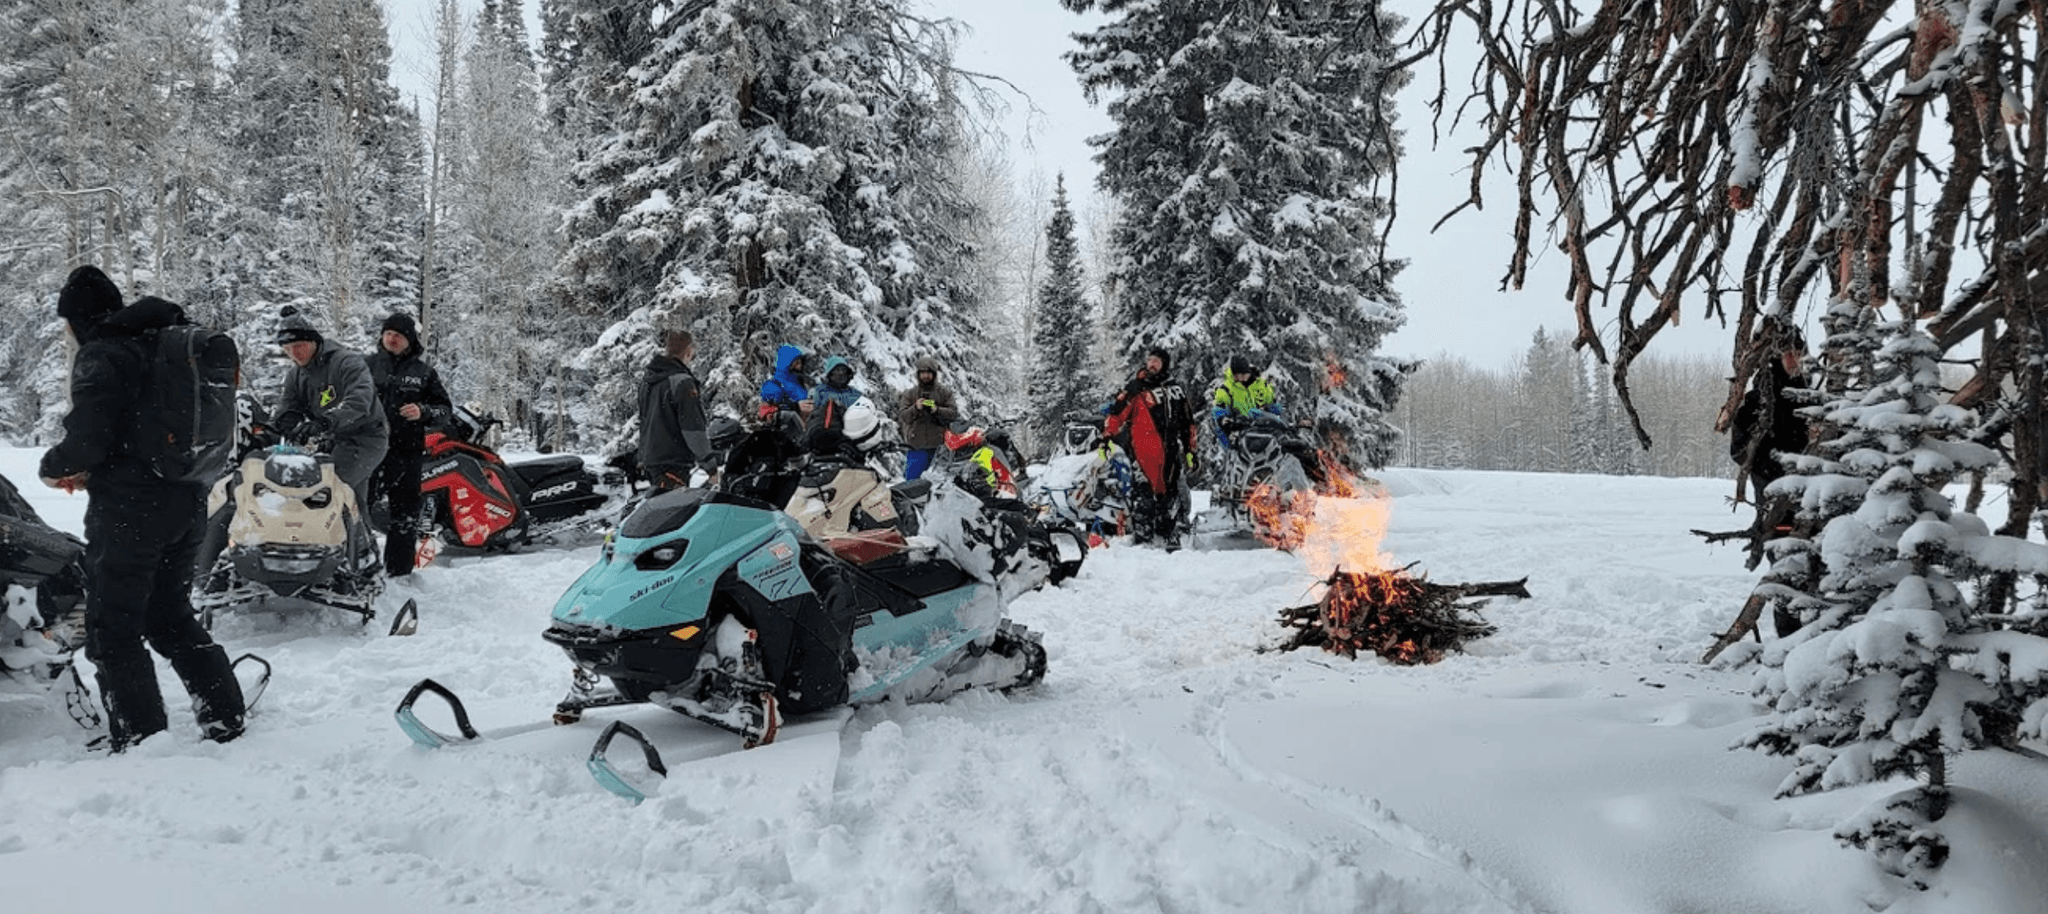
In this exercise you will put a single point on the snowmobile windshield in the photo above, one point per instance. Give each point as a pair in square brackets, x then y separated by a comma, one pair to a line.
[669, 511]
[296, 471]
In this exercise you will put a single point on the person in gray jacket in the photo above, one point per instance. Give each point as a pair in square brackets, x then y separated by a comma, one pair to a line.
[672, 426]
[330, 394]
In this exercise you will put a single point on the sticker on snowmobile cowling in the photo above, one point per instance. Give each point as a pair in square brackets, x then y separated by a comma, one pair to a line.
[772, 571]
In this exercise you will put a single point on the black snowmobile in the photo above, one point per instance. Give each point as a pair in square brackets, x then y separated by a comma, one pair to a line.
[42, 605]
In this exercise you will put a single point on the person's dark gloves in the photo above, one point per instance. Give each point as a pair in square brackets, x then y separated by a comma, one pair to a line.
[1135, 386]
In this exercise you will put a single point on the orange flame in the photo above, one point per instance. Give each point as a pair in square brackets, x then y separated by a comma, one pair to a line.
[1333, 373]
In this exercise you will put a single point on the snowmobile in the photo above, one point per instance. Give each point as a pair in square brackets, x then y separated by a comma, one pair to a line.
[472, 499]
[1265, 450]
[1086, 481]
[295, 541]
[720, 607]
[42, 605]
[1057, 541]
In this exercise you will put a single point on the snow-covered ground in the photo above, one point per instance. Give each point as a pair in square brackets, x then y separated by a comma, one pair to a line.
[1576, 762]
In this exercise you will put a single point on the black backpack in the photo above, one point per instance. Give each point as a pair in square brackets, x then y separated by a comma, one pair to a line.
[185, 424]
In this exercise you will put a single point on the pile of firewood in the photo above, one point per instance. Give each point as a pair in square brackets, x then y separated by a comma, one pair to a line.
[1401, 617]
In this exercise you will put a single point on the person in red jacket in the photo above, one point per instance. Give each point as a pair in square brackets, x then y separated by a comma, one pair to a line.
[1150, 418]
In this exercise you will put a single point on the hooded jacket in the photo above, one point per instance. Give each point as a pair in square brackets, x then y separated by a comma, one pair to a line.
[107, 381]
[335, 388]
[925, 429]
[408, 378]
[673, 432]
[829, 403]
[785, 388]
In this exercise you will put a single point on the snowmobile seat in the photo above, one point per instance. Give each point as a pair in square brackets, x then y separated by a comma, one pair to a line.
[543, 468]
[864, 546]
[915, 491]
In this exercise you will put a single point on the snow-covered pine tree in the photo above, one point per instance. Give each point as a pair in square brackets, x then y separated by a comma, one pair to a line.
[771, 180]
[1249, 141]
[1895, 668]
[503, 214]
[333, 184]
[1062, 376]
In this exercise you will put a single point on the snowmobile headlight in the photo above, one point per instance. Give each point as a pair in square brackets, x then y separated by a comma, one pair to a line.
[320, 499]
[662, 557]
[276, 564]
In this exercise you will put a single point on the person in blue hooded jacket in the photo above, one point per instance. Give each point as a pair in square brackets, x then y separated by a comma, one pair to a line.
[835, 395]
[785, 390]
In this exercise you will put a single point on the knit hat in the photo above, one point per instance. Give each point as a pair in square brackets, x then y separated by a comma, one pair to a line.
[406, 327]
[293, 327]
[87, 298]
[1165, 358]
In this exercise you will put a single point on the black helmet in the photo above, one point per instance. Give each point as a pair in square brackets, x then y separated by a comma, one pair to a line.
[1240, 364]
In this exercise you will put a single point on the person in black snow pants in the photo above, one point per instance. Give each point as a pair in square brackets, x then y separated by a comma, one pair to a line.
[141, 532]
[673, 431]
[414, 400]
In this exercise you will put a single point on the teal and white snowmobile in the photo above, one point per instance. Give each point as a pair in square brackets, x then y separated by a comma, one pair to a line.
[722, 608]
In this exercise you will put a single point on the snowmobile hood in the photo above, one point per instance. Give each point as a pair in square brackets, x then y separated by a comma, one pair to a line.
[661, 567]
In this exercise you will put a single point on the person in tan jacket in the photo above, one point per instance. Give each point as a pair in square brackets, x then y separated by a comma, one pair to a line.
[924, 412]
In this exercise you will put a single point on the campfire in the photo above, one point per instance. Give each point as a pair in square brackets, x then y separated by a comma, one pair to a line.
[1367, 603]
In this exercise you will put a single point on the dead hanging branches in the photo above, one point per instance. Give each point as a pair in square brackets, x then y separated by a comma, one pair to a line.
[1774, 150]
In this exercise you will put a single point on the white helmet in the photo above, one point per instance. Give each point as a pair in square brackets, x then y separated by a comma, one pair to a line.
[863, 426]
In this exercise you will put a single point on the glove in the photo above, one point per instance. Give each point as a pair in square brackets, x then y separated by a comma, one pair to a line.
[1191, 461]
[1134, 386]
[928, 405]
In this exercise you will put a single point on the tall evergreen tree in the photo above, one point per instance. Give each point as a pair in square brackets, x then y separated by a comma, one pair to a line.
[1249, 139]
[772, 180]
[1063, 377]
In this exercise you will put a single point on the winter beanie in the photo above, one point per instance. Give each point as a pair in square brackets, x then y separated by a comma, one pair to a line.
[87, 298]
[1165, 359]
[293, 327]
[406, 327]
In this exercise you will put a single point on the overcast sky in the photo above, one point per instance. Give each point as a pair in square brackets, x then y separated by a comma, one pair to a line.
[1452, 284]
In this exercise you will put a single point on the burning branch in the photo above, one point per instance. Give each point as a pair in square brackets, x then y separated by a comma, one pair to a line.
[1398, 616]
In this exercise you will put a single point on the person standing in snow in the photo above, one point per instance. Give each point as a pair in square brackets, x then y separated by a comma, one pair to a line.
[329, 393]
[142, 532]
[1150, 419]
[925, 412]
[413, 399]
[674, 436]
[1767, 424]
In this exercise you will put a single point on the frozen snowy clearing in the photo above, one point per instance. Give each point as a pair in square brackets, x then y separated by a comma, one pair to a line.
[1573, 763]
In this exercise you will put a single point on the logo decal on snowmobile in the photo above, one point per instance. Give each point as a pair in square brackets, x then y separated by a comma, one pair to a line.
[780, 550]
[554, 490]
[496, 510]
[664, 581]
[448, 467]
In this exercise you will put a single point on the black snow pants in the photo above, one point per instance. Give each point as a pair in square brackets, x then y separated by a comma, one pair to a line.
[140, 544]
[397, 483]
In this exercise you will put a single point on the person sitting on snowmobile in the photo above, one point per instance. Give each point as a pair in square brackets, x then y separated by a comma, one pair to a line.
[977, 464]
[832, 398]
[329, 393]
[1151, 421]
[1244, 396]
[786, 396]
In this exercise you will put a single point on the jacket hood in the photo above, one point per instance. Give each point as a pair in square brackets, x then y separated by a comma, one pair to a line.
[927, 363]
[147, 313]
[663, 365]
[787, 354]
[832, 363]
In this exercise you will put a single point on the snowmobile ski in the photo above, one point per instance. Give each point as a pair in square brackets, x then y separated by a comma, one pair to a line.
[407, 620]
[252, 692]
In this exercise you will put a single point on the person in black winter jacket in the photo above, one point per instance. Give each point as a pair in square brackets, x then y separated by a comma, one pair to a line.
[1767, 424]
[673, 431]
[141, 532]
[414, 400]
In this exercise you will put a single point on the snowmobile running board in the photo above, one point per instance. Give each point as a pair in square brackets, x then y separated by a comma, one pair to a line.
[609, 778]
